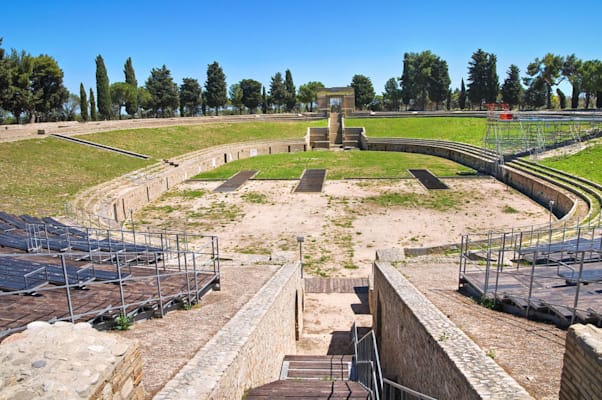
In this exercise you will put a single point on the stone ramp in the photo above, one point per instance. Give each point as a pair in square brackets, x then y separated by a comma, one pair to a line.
[428, 180]
[311, 181]
[235, 181]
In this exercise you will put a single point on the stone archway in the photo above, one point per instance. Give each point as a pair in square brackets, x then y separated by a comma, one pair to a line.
[338, 99]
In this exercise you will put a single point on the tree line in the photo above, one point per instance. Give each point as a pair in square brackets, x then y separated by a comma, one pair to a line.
[425, 82]
[32, 89]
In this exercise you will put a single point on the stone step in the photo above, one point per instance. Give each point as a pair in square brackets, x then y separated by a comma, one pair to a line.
[316, 367]
[308, 390]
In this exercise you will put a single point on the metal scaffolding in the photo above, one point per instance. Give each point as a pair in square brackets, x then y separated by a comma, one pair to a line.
[511, 133]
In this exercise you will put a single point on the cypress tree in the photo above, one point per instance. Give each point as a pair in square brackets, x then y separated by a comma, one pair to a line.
[264, 101]
[103, 93]
[93, 116]
[131, 105]
[83, 103]
[462, 97]
[291, 93]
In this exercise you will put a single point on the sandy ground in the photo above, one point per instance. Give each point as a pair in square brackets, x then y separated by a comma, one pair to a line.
[327, 322]
[341, 226]
[343, 229]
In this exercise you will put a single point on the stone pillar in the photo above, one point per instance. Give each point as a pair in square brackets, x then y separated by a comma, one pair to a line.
[582, 368]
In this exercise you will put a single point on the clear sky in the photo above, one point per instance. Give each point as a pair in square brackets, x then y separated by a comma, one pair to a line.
[327, 41]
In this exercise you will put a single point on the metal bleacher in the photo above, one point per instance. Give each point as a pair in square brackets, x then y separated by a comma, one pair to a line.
[553, 275]
[51, 271]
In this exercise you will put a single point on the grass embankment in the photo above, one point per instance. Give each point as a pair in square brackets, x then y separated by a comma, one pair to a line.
[457, 129]
[339, 165]
[586, 164]
[39, 176]
[166, 142]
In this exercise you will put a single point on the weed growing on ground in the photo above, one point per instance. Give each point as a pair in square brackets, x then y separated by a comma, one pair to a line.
[123, 322]
[509, 210]
[255, 198]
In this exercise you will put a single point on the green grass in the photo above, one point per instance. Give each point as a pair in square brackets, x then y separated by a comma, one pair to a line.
[40, 175]
[457, 129]
[255, 198]
[585, 164]
[339, 165]
[166, 142]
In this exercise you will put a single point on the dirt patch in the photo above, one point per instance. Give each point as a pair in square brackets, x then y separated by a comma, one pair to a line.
[346, 223]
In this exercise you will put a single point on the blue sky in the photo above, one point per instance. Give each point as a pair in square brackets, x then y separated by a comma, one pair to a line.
[327, 41]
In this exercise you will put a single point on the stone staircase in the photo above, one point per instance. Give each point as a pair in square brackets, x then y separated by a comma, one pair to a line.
[336, 134]
[312, 377]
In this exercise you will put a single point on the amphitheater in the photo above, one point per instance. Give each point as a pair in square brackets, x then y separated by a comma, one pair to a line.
[325, 294]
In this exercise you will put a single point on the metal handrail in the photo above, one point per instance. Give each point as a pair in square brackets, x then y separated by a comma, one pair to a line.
[367, 371]
[394, 386]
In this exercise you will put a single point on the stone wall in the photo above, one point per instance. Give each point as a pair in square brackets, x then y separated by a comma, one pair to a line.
[582, 369]
[66, 361]
[540, 191]
[248, 351]
[422, 349]
[115, 199]
[432, 149]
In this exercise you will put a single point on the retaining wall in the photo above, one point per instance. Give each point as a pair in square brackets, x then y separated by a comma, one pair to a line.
[248, 351]
[582, 368]
[422, 349]
[540, 191]
[140, 192]
[468, 159]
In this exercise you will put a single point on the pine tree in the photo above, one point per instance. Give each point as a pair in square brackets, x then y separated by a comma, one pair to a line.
[364, 91]
[93, 116]
[215, 87]
[190, 97]
[483, 82]
[278, 91]
[512, 89]
[103, 92]
[291, 94]
[131, 105]
[83, 103]
[462, 97]
[164, 92]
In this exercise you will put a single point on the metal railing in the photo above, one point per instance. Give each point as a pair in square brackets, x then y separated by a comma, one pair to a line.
[563, 259]
[367, 371]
